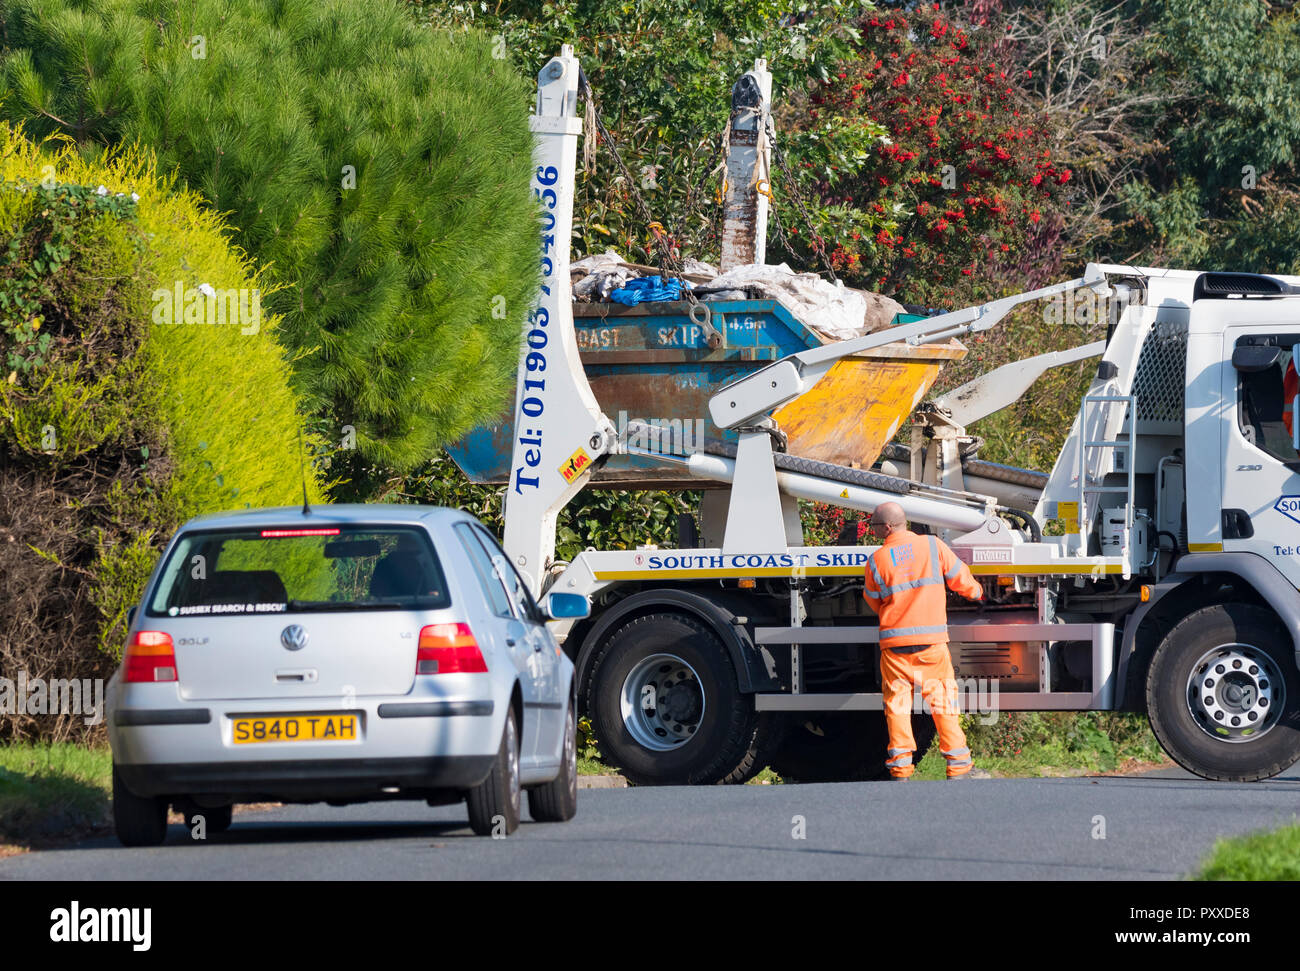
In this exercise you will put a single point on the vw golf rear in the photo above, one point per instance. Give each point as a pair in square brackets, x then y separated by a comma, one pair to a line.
[347, 654]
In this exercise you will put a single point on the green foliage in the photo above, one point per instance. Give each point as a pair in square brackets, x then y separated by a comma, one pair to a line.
[31, 261]
[1257, 856]
[662, 74]
[1220, 186]
[1093, 740]
[377, 170]
[595, 518]
[118, 428]
[965, 170]
[50, 791]
[588, 745]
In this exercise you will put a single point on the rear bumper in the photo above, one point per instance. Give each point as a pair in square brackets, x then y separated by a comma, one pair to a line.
[315, 779]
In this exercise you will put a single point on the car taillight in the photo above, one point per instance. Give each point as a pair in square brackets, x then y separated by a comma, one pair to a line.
[150, 657]
[448, 649]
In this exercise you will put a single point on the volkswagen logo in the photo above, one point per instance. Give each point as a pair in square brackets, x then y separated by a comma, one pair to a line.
[294, 637]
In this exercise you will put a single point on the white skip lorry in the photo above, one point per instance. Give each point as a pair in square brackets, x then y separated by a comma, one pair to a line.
[1154, 569]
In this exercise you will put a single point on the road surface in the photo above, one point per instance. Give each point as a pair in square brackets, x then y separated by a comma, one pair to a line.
[1151, 827]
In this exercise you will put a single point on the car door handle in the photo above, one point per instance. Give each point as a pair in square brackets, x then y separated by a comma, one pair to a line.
[296, 676]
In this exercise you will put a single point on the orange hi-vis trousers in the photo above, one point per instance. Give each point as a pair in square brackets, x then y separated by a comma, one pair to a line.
[931, 668]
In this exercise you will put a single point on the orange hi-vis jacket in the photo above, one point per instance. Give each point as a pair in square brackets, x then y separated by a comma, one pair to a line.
[905, 586]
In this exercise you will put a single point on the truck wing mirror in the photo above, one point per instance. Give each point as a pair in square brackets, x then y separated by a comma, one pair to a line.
[1255, 357]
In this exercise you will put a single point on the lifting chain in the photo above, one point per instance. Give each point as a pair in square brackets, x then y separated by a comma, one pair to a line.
[814, 238]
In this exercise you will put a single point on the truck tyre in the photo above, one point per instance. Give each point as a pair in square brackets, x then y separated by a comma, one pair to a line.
[138, 820]
[557, 801]
[667, 709]
[845, 746]
[1223, 696]
[495, 803]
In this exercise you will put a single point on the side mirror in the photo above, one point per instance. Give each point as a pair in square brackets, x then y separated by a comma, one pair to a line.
[566, 606]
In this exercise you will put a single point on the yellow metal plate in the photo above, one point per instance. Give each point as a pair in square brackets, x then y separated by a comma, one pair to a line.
[295, 728]
[861, 404]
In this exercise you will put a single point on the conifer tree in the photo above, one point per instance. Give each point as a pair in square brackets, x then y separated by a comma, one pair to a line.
[377, 169]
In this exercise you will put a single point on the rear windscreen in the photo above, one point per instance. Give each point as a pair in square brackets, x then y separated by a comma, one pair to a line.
[263, 571]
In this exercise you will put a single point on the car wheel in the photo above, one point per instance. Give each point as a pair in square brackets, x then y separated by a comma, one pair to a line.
[494, 804]
[138, 820]
[667, 707]
[1223, 695]
[557, 801]
[216, 820]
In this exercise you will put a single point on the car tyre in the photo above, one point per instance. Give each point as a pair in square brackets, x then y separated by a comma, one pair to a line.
[494, 804]
[138, 820]
[557, 801]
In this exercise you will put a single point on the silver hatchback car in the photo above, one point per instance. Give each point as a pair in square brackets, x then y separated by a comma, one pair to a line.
[342, 654]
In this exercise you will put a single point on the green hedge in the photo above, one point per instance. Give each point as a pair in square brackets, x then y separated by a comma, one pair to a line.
[115, 424]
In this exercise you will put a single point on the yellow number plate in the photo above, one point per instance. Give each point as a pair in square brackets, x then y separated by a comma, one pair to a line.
[296, 728]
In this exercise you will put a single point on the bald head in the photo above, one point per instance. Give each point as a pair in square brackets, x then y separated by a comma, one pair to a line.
[889, 514]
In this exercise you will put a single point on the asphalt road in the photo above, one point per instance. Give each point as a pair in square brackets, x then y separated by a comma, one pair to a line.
[1001, 829]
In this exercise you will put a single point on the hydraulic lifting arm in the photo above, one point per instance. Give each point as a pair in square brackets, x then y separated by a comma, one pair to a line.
[748, 400]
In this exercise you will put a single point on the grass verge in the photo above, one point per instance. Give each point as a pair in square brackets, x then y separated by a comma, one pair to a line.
[52, 791]
[1256, 856]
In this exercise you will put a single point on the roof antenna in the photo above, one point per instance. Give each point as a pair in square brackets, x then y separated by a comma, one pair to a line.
[302, 469]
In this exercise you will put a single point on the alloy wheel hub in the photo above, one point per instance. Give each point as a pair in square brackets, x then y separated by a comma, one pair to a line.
[1236, 693]
[662, 702]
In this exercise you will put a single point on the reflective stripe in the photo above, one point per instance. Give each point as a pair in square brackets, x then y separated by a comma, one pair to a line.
[909, 631]
[934, 560]
[954, 753]
[896, 751]
[873, 596]
[875, 574]
[899, 762]
[958, 765]
[956, 568]
[910, 585]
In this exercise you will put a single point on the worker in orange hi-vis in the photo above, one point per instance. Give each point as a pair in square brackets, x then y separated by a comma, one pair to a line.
[905, 583]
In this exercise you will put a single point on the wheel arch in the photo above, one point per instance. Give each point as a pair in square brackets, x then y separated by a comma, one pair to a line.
[752, 672]
[1200, 580]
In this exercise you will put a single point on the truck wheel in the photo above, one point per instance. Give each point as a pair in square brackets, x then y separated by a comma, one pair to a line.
[138, 820]
[1223, 696]
[667, 707]
[842, 746]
